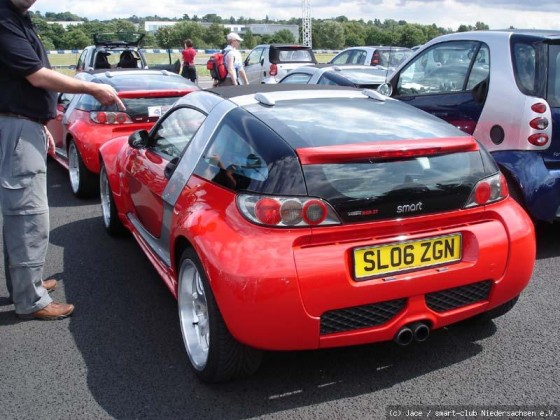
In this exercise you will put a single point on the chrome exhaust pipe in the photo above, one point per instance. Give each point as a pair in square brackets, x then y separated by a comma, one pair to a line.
[420, 331]
[404, 336]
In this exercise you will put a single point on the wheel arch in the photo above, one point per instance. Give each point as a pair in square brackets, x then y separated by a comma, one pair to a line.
[514, 186]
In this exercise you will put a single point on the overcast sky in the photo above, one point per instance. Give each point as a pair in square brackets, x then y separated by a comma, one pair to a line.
[498, 14]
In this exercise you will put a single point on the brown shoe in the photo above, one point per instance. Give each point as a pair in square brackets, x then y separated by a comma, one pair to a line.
[52, 312]
[50, 285]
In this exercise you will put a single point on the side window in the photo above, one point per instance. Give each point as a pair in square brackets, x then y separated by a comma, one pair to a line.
[245, 154]
[299, 78]
[255, 56]
[524, 57]
[359, 57]
[324, 80]
[481, 67]
[342, 58]
[234, 162]
[443, 68]
[81, 61]
[175, 132]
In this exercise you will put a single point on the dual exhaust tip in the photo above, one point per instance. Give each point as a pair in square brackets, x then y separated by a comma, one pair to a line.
[417, 331]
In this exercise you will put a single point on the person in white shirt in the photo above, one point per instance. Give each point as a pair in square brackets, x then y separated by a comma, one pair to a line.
[234, 62]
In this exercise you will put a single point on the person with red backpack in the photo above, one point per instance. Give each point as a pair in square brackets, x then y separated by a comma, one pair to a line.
[233, 62]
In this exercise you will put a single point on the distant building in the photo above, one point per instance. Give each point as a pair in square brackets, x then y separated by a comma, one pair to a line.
[151, 26]
[66, 23]
[255, 28]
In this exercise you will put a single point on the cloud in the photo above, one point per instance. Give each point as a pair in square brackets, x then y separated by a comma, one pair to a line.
[444, 13]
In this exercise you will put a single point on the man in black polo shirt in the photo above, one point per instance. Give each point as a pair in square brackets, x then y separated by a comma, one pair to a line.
[28, 89]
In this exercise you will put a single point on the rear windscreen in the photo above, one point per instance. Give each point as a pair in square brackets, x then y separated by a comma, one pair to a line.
[323, 122]
[386, 189]
[291, 55]
[138, 109]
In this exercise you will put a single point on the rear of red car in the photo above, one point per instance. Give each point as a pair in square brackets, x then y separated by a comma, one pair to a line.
[357, 221]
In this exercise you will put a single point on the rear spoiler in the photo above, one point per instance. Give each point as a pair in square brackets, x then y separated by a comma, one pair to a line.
[381, 150]
[133, 94]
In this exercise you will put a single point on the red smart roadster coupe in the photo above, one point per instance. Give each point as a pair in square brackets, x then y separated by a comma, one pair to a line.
[289, 217]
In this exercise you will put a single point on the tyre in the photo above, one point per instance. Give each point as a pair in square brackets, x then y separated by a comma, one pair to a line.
[214, 355]
[82, 181]
[111, 221]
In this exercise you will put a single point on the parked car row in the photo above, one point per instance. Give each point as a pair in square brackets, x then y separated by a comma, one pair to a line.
[308, 214]
[82, 124]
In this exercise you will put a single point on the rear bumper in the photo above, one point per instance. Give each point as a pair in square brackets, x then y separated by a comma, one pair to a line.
[315, 303]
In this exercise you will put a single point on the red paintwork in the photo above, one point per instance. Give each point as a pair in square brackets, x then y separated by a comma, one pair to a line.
[272, 285]
[146, 182]
[88, 136]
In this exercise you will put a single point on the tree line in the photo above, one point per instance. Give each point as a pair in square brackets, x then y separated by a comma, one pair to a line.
[335, 34]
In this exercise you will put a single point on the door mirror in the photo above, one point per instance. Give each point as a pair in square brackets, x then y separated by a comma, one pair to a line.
[170, 168]
[138, 139]
[385, 89]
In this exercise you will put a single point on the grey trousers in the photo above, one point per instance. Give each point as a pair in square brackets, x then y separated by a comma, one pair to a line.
[25, 211]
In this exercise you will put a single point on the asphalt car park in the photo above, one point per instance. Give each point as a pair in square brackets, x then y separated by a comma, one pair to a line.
[121, 355]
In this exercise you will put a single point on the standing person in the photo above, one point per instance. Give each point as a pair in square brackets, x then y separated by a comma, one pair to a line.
[27, 102]
[189, 69]
[234, 62]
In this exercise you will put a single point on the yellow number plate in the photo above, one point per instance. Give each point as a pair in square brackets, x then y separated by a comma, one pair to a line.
[400, 256]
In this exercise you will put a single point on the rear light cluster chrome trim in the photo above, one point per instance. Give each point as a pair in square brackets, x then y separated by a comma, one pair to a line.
[457, 297]
[539, 123]
[357, 317]
[110, 118]
[279, 211]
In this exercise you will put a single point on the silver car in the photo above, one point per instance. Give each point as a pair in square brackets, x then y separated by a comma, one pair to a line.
[327, 74]
[503, 87]
[384, 56]
[269, 63]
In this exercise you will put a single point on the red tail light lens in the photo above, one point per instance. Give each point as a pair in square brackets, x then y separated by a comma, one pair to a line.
[267, 211]
[273, 71]
[314, 212]
[488, 190]
[539, 107]
[538, 139]
[482, 193]
[539, 123]
[105, 117]
[286, 211]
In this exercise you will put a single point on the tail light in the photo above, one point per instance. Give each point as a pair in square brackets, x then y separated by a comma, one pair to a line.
[539, 123]
[538, 139]
[273, 71]
[488, 190]
[539, 108]
[286, 211]
[105, 117]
